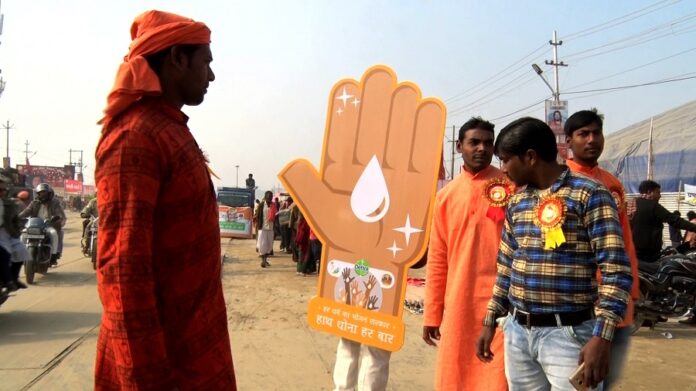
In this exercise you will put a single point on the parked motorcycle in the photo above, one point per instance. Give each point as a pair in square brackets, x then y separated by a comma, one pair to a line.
[92, 229]
[37, 239]
[667, 289]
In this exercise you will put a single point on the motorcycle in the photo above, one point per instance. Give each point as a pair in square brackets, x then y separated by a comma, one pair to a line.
[92, 229]
[667, 289]
[38, 239]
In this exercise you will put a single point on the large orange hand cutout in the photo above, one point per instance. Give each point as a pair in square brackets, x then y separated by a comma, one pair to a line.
[370, 203]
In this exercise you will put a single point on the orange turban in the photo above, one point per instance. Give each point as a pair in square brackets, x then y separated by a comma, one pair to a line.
[151, 32]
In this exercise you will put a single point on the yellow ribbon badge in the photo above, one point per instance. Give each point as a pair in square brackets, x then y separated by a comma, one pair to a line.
[550, 215]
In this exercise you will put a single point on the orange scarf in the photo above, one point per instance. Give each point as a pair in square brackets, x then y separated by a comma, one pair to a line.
[151, 32]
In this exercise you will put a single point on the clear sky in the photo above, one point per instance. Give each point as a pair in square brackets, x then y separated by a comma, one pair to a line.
[275, 62]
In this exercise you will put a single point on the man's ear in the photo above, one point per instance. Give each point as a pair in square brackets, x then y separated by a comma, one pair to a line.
[567, 139]
[459, 146]
[178, 58]
[531, 157]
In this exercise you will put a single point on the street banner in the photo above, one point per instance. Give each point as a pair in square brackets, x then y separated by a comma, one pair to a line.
[72, 187]
[54, 176]
[556, 115]
[370, 203]
[235, 222]
[690, 196]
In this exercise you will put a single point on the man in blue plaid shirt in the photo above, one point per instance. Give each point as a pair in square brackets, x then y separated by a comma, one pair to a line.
[559, 229]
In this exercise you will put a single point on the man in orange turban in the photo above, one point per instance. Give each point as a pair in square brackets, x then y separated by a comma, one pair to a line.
[164, 324]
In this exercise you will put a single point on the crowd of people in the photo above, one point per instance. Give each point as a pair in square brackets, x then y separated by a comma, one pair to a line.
[273, 219]
[543, 250]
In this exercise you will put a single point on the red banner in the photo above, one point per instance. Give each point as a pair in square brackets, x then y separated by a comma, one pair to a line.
[73, 186]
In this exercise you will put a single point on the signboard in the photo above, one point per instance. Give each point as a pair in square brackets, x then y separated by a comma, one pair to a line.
[690, 196]
[73, 187]
[235, 222]
[54, 176]
[382, 141]
[89, 189]
[556, 115]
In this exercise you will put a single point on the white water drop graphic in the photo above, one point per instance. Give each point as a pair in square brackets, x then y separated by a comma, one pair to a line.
[370, 198]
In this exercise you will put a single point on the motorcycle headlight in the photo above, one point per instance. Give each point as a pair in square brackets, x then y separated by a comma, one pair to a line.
[34, 231]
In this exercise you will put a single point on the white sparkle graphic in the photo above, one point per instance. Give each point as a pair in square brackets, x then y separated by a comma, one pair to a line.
[407, 229]
[339, 111]
[344, 97]
[355, 102]
[394, 249]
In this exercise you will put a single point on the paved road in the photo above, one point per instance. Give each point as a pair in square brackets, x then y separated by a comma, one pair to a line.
[41, 326]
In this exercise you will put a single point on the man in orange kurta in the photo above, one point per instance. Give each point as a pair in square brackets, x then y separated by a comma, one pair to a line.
[461, 268]
[164, 322]
[585, 138]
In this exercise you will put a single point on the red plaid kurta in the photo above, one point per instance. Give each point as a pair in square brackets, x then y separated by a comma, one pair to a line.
[164, 324]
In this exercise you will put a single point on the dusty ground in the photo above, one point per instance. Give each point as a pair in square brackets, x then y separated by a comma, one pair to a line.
[275, 350]
[48, 333]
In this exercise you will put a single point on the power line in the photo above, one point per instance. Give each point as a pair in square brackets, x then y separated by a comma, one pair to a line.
[618, 21]
[635, 68]
[506, 89]
[519, 110]
[471, 89]
[635, 39]
[588, 31]
[663, 81]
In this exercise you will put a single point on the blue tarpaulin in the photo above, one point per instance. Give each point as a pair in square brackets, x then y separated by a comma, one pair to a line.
[674, 150]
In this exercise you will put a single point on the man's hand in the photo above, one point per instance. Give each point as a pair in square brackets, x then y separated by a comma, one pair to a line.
[595, 355]
[431, 333]
[483, 345]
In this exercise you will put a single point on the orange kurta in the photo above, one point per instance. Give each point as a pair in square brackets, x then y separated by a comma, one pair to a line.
[460, 276]
[616, 188]
[164, 321]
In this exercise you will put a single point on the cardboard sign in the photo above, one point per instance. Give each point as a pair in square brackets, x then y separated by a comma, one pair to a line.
[235, 222]
[370, 203]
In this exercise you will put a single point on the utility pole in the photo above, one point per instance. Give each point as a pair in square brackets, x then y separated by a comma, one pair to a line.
[77, 164]
[6, 159]
[237, 183]
[26, 152]
[555, 43]
[454, 151]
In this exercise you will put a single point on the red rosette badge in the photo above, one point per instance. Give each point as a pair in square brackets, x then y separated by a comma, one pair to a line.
[549, 215]
[497, 192]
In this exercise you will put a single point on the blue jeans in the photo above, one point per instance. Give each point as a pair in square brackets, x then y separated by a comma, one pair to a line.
[543, 358]
[619, 352]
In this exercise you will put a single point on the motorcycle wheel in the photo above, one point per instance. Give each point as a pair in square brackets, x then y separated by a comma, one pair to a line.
[29, 265]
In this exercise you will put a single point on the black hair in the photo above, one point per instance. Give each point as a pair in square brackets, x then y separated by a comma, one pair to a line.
[647, 186]
[580, 120]
[475, 123]
[267, 193]
[156, 60]
[524, 134]
[690, 215]
[677, 213]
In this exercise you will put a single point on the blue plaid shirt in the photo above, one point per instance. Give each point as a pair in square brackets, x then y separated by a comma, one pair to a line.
[563, 279]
